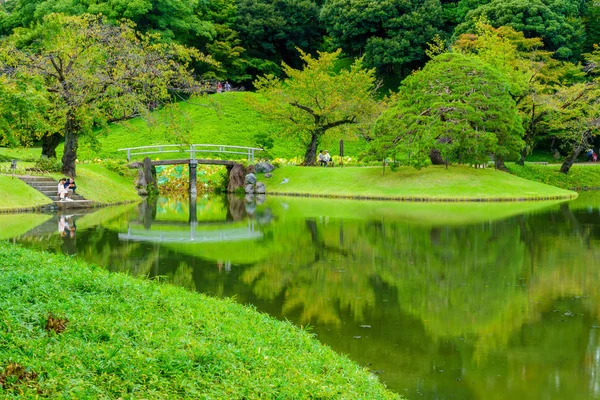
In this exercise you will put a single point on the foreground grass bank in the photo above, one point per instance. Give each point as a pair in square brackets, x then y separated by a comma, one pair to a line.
[458, 183]
[580, 177]
[127, 338]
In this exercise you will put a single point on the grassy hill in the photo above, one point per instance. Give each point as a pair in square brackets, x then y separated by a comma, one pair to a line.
[224, 118]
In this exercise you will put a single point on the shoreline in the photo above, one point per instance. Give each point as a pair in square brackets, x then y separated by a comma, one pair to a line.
[421, 199]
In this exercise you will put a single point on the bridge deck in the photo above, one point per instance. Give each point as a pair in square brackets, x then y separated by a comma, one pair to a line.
[138, 164]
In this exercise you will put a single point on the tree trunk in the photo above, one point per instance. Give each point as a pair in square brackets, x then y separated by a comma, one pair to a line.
[436, 157]
[499, 163]
[49, 145]
[310, 157]
[571, 158]
[521, 160]
[71, 143]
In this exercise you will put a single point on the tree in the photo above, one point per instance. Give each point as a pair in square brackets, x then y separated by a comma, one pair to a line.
[531, 71]
[318, 99]
[271, 30]
[549, 20]
[94, 72]
[392, 34]
[172, 19]
[457, 105]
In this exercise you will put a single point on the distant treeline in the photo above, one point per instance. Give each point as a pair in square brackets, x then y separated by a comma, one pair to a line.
[252, 37]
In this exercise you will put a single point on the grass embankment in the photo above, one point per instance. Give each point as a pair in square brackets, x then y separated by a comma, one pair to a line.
[97, 183]
[94, 182]
[579, 176]
[127, 338]
[458, 183]
[17, 195]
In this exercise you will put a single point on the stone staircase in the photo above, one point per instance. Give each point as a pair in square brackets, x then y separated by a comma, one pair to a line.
[47, 186]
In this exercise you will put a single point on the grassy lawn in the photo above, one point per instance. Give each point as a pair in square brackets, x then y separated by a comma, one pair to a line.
[458, 182]
[130, 338]
[95, 182]
[579, 176]
[16, 194]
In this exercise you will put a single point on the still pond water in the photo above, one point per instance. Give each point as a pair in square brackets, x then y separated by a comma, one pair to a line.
[442, 301]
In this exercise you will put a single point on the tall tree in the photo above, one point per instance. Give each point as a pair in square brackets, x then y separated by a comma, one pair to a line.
[457, 105]
[319, 99]
[392, 34]
[531, 71]
[549, 19]
[95, 72]
[172, 19]
[271, 30]
[577, 111]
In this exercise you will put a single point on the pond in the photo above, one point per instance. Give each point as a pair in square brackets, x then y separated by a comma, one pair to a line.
[441, 301]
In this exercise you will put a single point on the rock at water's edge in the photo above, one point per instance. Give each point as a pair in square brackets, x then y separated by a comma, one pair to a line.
[236, 178]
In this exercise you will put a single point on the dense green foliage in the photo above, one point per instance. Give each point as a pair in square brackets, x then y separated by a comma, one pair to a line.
[124, 337]
[456, 105]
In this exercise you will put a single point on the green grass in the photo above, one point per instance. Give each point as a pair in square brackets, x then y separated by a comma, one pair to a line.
[128, 338]
[579, 176]
[431, 183]
[95, 182]
[16, 194]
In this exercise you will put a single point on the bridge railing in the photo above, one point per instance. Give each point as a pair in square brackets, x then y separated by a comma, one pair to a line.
[192, 149]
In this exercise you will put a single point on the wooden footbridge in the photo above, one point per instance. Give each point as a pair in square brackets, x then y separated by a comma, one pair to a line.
[224, 154]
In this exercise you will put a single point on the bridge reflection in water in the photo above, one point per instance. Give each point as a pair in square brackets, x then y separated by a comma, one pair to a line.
[196, 233]
[231, 229]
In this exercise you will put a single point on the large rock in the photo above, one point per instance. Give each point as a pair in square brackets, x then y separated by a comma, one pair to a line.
[249, 189]
[264, 167]
[261, 188]
[250, 169]
[250, 179]
[236, 178]
[146, 180]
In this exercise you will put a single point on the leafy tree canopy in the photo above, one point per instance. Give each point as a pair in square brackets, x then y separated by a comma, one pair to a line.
[456, 104]
[318, 99]
[93, 72]
[535, 18]
[174, 19]
[392, 34]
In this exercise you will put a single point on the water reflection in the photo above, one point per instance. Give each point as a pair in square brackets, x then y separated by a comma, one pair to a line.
[443, 301]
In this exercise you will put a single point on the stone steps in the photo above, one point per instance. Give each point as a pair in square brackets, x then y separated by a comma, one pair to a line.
[48, 187]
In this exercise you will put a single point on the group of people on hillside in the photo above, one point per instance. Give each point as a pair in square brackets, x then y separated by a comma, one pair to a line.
[221, 87]
[66, 189]
[591, 155]
[324, 158]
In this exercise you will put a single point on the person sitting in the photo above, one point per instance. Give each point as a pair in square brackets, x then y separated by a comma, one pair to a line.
[62, 192]
[70, 186]
[327, 158]
[321, 159]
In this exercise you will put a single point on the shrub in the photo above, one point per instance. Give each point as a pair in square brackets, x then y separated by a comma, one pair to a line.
[48, 164]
